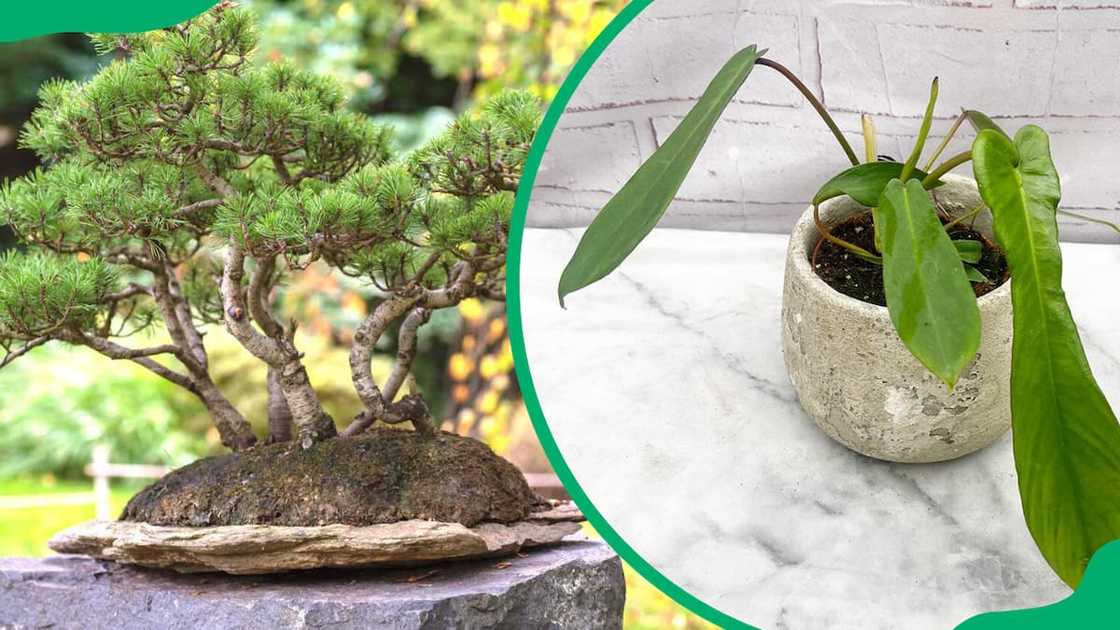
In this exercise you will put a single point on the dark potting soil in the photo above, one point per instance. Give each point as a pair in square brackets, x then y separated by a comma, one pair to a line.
[863, 280]
[382, 476]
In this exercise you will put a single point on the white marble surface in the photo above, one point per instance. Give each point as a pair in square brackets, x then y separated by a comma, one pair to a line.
[665, 390]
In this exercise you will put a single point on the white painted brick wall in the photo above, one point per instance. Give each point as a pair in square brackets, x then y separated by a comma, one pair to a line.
[1051, 62]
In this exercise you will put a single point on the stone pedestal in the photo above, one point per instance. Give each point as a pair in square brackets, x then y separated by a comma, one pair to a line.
[572, 585]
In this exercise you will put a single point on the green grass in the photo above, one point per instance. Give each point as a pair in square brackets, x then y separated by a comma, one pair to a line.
[25, 531]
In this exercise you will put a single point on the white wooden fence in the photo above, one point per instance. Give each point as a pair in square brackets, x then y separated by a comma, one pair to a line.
[102, 471]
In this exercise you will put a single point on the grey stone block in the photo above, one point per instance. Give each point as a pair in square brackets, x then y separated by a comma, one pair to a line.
[573, 585]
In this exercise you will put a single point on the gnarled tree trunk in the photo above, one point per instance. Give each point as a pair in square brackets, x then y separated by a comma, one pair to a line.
[312, 423]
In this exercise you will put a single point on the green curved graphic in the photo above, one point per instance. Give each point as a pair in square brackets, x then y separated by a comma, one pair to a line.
[1089, 607]
[1084, 609]
[42, 17]
[517, 333]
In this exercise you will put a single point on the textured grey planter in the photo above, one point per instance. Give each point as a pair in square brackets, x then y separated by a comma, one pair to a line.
[858, 382]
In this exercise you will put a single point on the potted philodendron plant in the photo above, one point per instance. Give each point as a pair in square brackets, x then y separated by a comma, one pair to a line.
[898, 327]
[182, 187]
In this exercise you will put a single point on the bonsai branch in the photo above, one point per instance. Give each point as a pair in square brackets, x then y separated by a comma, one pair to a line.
[377, 402]
[168, 295]
[406, 350]
[214, 181]
[367, 335]
[141, 356]
[260, 285]
[132, 290]
[265, 348]
[235, 431]
[411, 408]
[190, 210]
[28, 346]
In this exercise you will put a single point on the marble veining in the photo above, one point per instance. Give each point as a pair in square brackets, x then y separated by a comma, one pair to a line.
[665, 390]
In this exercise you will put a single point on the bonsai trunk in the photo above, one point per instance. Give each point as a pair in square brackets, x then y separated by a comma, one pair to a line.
[279, 415]
[311, 422]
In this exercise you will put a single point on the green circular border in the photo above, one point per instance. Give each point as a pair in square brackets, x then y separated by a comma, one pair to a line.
[1098, 606]
[517, 336]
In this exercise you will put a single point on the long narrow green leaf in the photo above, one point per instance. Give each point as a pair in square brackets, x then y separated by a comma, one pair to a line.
[929, 298]
[923, 132]
[633, 212]
[1066, 439]
[864, 183]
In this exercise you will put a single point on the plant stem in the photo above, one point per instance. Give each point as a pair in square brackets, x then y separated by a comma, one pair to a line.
[869, 144]
[971, 214]
[923, 133]
[945, 167]
[945, 142]
[817, 105]
[858, 251]
[1090, 219]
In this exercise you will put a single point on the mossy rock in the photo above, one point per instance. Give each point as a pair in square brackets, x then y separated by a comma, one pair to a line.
[382, 476]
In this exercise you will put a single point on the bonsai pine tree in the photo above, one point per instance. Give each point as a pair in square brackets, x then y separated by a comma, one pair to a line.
[182, 184]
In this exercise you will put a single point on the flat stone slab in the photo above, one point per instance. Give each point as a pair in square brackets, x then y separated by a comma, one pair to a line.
[261, 549]
[576, 584]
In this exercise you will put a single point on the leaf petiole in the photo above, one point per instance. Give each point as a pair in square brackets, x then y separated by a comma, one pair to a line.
[817, 105]
[1090, 219]
[971, 214]
[945, 142]
[856, 250]
[945, 167]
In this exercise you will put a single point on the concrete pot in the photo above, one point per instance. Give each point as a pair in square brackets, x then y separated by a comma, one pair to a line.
[858, 382]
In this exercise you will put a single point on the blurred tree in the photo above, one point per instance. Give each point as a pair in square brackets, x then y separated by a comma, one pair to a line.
[484, 391]
[49, 426]
[358, 42]
[24, 66]
[409, 55]
[487, 44]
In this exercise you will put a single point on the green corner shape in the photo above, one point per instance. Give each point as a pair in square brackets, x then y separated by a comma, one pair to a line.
[1089, 607]
[42, 17]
